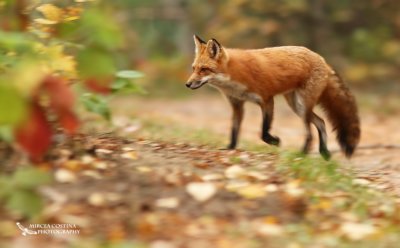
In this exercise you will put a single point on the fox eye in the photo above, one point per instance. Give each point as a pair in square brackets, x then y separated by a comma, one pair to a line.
[205, 69]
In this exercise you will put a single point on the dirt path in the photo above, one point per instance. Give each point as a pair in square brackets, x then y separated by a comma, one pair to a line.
[211, 112]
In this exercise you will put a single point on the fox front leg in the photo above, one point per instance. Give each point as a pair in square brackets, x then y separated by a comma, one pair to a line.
[268, 112]
[237, 117]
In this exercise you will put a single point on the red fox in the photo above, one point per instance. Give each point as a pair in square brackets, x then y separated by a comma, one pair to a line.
[301, 75]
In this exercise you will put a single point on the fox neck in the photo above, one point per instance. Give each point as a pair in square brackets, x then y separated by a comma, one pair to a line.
[231, 88]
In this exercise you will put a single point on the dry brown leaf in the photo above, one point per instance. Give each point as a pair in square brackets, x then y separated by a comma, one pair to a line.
[201, 191]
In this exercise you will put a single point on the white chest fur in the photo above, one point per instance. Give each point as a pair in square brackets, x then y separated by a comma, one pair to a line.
[234, 89]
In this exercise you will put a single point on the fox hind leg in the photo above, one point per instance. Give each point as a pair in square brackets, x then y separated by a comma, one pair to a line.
[320, 125]
[268, 110]
[295, 102]
[237, 117]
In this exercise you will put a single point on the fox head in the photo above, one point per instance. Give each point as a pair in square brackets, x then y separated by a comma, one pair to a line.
[209, 63]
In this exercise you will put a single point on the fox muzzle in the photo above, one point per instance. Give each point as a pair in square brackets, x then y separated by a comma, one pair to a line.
[195, 84]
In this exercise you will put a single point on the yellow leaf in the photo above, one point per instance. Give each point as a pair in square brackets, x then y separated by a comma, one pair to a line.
[27, 76]
[51, 12]
[252, 191]
[55, 60]
[45, 21]
[71, 18]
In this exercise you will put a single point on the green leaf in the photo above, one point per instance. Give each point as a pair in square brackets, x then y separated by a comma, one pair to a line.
[129, 74]
[25, 202]
[14, 41]
[6, 186]
[6, 133]
[96, 104]
[12, 106]
[103, 31]
[126, 86]
[30, 177]
[94, 62]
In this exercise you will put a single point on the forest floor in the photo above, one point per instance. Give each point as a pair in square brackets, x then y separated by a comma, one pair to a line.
[159, 180]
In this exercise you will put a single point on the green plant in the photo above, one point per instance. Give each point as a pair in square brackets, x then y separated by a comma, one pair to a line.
[18, 192]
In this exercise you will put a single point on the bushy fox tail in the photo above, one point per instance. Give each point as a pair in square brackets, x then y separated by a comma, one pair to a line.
[341, 108]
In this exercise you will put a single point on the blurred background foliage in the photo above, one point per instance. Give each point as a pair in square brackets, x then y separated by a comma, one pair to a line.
[359, 38]
[51, 50]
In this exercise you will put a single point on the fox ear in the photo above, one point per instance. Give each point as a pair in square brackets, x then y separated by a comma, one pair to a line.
[214, 48]
[198, 42]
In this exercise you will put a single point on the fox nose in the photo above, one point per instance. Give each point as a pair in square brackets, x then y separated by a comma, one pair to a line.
[188, 84]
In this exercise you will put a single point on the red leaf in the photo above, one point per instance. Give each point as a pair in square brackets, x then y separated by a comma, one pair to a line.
[102, 86]
[68, 121]
[61, 96]
[61, 101]
[34, 134]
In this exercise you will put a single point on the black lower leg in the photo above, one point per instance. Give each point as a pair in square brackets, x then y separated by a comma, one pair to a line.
[238, 111]
[266, 136]
[234, 138]
[323, 149]
[307, 143]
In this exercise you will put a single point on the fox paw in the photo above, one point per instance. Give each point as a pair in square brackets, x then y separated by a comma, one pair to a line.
[325, 154]
[272, 140]
[228, 148]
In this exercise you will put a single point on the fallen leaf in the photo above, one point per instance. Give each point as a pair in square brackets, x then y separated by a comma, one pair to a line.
[113, 197]
[256, 175]
[212, 177]
[357, 231]
[235, 185]
[252, 191]
[97, 199]
[202, 165]
[116, 232]
[234, 171]
[168, 202]
[87, 159]
[130, 155]
[101, 165]
[293, 189]
[201, 191]
[64, 176]
[103, 151]
[162, 244]
[361, 181]
[72, 165]
[144, 169]
[92, 173]
[271, 188]
[270, 229]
